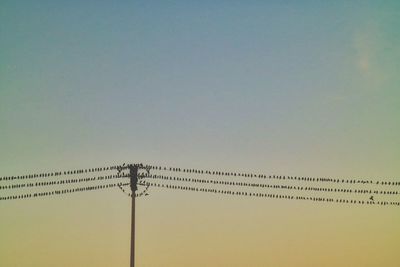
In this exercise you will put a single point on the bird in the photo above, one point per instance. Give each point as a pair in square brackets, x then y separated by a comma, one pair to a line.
[372, 198]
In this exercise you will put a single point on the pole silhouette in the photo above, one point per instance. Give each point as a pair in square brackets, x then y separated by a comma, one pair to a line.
[133, 171]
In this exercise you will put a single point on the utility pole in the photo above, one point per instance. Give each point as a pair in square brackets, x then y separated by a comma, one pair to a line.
[133, 172]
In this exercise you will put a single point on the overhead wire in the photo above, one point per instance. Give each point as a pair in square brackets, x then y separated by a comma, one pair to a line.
[273, 196]
[275, 177]
[213, 180]
[61, 191]
[274, 186]
[58, 173]
[61, 182]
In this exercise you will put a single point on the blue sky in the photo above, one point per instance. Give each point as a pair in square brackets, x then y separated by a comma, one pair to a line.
[306, 88]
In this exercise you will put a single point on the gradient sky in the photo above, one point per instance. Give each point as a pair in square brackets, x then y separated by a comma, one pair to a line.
[307, 89]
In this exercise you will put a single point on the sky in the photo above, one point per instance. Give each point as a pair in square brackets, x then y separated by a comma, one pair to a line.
[307, 88]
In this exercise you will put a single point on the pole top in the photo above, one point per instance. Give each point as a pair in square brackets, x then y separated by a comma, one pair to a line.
[133, 173]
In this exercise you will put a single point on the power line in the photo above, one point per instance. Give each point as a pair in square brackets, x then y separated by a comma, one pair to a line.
[276, 177]
[62, 191]
[275, 186]
[62, 182]
[273, 196]
[201, 173]
[57, 173]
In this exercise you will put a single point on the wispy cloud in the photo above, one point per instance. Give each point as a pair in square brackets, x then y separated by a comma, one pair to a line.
[366, 44]
[377, 55]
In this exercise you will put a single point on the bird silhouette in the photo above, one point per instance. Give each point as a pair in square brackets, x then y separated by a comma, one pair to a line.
[372, 198]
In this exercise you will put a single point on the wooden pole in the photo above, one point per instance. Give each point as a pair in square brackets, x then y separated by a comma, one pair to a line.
[133, 175]
[133, 232]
